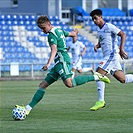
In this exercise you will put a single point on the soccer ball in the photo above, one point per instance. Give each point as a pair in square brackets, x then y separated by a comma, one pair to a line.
[18, 113]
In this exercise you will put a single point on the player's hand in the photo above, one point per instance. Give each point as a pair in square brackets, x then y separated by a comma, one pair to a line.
[45, 67]
[76, 31]
[123, 54]
[95, 48]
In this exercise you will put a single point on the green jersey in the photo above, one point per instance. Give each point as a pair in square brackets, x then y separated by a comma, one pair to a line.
[57, 36]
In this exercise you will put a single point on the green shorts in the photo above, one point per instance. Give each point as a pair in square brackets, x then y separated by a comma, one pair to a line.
[60, 70]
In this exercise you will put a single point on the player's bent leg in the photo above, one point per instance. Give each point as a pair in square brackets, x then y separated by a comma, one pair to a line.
[79, 80]
[120, 76]
[79, 70]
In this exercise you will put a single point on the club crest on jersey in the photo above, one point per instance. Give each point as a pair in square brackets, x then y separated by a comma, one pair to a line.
[72, 49]
[101, 63]
[52, 40]
[100, 38]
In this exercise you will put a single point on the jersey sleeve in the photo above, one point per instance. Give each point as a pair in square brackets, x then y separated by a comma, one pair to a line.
[66, 33]
[52, 39]
[114, 29]
[81, 45]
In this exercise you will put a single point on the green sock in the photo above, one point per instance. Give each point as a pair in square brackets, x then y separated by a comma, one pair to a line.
[37, 97]
[79, 80]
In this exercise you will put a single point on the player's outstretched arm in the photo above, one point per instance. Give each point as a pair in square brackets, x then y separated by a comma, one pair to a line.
[123, 39]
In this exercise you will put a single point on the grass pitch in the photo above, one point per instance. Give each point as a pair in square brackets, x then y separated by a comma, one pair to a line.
[65, 110]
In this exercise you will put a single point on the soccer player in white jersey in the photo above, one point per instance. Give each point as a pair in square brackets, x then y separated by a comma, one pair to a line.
[107, 41]
[77, 50]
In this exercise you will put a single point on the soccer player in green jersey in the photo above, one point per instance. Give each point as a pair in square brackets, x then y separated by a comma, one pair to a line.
[61, 68]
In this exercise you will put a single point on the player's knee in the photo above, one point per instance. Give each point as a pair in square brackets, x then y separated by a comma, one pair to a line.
[69, 85]
[80, 71]
[43, 84]
[122, 81]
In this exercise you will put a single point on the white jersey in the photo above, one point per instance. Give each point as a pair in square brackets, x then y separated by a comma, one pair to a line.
[75, 49]
[107, 37]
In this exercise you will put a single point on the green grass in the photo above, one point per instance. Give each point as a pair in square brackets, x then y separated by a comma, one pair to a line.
[67, 110]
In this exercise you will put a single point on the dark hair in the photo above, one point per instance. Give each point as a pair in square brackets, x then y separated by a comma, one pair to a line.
[96, 12]
[41, 20]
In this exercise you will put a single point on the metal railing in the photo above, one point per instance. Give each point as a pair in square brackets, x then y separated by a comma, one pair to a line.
[32, 72]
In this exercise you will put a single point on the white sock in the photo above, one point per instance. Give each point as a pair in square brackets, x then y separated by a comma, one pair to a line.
[129, 78]
[100, 90]
[86, 69]
[28, 107]
[96, 77]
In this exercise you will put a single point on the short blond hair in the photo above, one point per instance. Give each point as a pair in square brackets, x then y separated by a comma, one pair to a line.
[41, 20]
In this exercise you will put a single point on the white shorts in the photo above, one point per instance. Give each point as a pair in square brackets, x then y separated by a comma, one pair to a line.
[77, 64]
[111, 64]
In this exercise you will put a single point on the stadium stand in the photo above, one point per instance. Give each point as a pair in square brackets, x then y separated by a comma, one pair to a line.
[23, 42]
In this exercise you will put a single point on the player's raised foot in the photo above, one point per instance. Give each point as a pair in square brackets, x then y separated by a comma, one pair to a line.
[102, 77]
[98, 105]
[22, 106]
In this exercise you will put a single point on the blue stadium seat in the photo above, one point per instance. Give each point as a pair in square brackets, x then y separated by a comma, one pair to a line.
[15, 22]
[125, 23]
[27, 22]
[29, 38]
[41, 33]
[35, 39]
[9, 22]
[3, 22]
[26, 17]
[120, 23]
[92, 23]
[14, 17]
[8, 17]
[2, 17]
[21, 22]
[62, 23]
[14, 51]
[114, 22]
[53, 18]
[131, 23]
[32, 17]
[24, 50]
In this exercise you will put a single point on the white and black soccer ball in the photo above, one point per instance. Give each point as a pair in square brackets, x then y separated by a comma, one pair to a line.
[18, 113]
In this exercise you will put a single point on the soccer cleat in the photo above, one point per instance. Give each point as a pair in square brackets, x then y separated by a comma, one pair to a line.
[22, 106]
[102, 77]
[98, 105]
